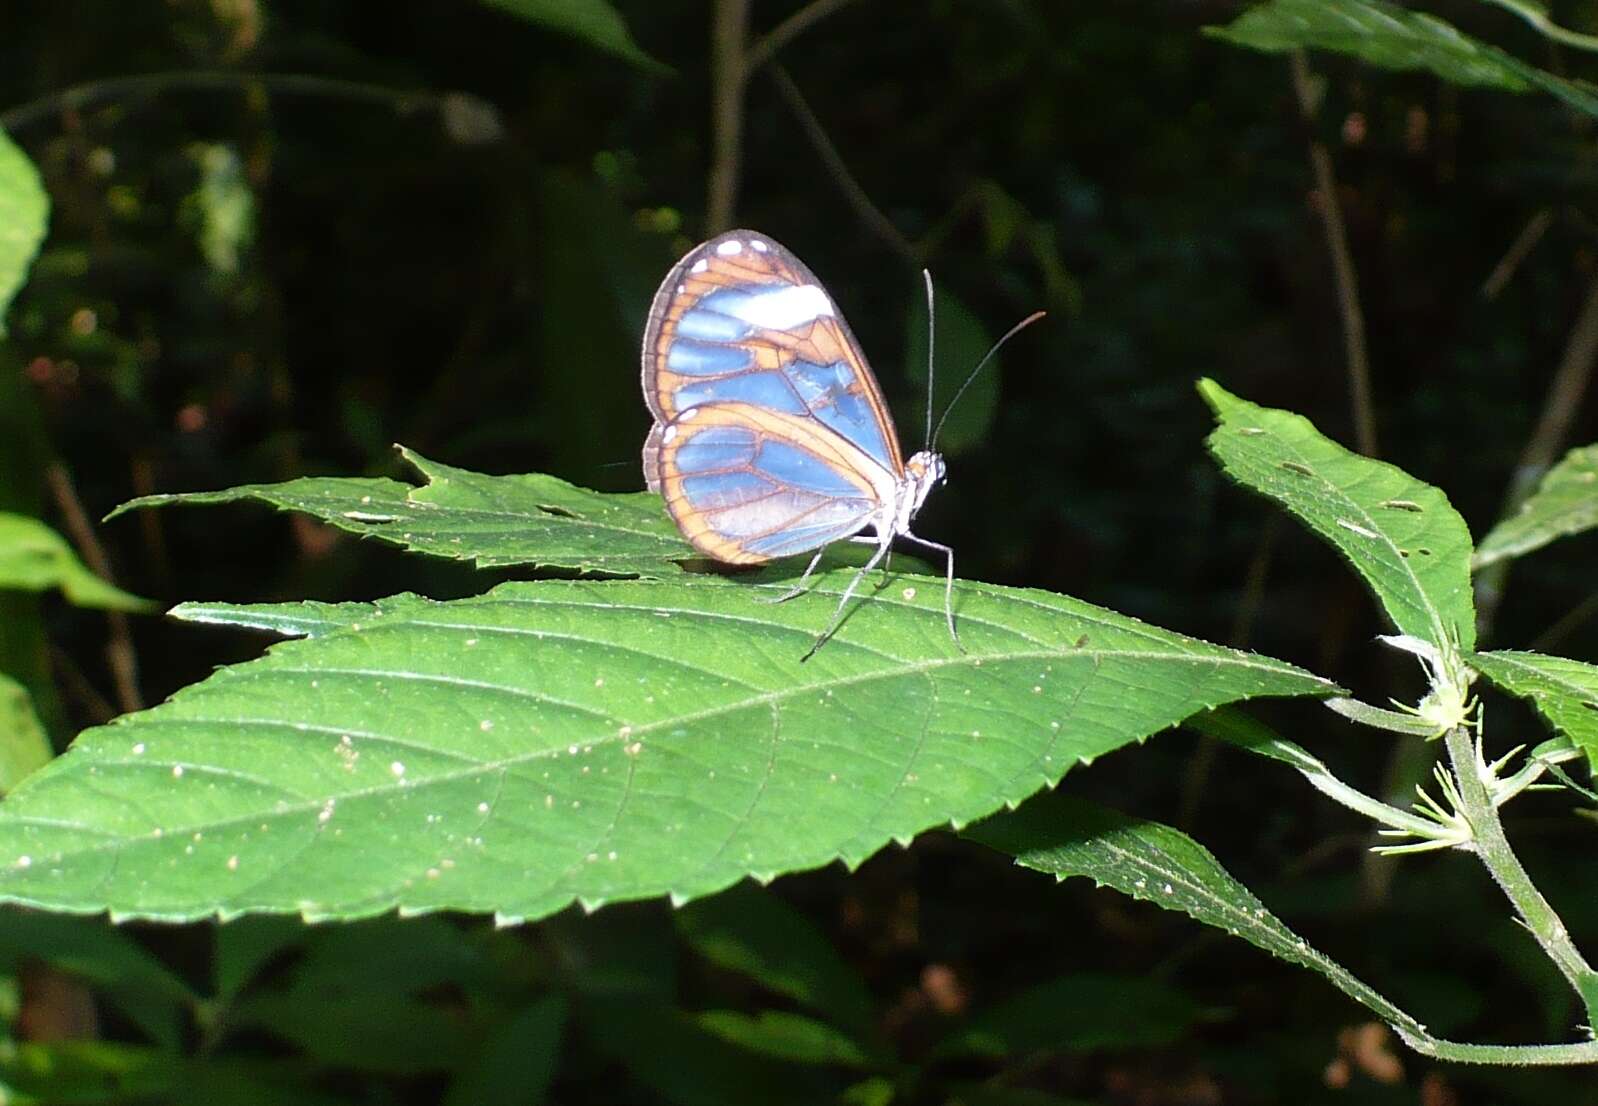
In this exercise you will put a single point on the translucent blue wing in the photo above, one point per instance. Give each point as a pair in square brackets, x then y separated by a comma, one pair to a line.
[746, 484]
[741, 320]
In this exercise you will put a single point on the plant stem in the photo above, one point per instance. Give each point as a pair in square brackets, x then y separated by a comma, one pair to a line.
[1359, 370]
[123, 661]
[1492, 846]
[1560, 408]
[869, 213]
[729, 77]
[789, 29]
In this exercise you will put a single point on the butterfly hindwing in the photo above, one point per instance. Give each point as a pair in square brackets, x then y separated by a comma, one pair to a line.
[746, 484]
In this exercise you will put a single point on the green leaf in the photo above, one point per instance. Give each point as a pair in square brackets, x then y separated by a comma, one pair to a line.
[244, 947]
[960, 343]
[24, 210]
[24, 746]
[667, 1051]
[753, 932]
[1566, 502]
[785, 1036]
[1394, 37]
[80, 1073]
[532, 519]
[1076, 1013]
[1067, 837]
[1400, 534]
[591, 740]
[34, 557]
[122, 972]
[516, 1064]
[593, 21]
[1565, 692]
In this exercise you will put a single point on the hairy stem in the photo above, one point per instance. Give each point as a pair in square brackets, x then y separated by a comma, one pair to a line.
[1492, 846]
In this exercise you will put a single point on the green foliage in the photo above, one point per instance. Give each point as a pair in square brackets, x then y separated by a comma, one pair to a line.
[1400, 534]
[1395, 37]
[24, 208]
[34, 557]
[1077, 1014]
[24, 745]
[785, 1036]
[1566, 502]
[1145, 860]
[533, 520]
[1564, 691]
[595, 22]
[601, 741]
[960, 342]
[754, 933]
[259, 270]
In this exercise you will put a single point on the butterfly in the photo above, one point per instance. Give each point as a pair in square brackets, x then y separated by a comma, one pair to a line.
[771, 436]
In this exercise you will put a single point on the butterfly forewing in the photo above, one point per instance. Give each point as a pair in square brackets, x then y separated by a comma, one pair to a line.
[771, 434]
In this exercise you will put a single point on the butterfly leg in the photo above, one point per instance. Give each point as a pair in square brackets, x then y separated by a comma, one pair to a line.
[799, 587]
[948, 581]
[848, 592]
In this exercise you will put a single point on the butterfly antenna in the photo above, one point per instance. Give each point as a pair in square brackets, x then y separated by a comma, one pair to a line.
[932, 331]
[986, 357]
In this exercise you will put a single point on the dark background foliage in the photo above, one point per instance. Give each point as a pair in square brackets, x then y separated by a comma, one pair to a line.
[440, 225]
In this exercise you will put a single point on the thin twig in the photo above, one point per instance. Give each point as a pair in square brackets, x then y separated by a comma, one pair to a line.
[789, 29]
[1195, 781]
[1551, 638]
[1359, 374]
[729, 31]
[1523, 244]
[1560, 405]
[85, 95]
[119, 645]
[869, 213]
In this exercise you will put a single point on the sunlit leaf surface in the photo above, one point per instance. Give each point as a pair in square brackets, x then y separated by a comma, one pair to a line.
[1564, 691]
[34, 557]
[1395, 37]
[1566, 502]
[590, 740]
[1401, 534]
[532, 519]
[24, 207]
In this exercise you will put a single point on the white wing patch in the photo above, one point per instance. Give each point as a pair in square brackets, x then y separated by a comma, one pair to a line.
[781, 308]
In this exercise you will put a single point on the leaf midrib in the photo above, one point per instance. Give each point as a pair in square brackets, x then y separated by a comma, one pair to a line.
[479, 767]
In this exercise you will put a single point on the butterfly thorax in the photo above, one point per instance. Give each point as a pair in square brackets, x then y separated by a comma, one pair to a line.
[921, 472]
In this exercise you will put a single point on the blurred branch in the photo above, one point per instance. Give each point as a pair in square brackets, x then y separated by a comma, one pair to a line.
[1359, 378]
[729, 30]
[1548, 438]
[149, 84]
[856, 196]
[789, 29]
[1196, 780]
[1537, 16]
[1551, 638]
[1523, 244]
[119, 647]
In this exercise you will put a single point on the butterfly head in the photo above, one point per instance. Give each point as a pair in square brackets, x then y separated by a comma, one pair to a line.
[922, 472]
